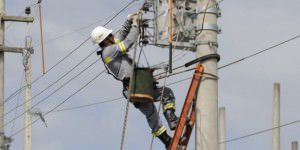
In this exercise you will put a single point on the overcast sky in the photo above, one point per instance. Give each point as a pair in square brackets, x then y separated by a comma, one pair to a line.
[245, 89]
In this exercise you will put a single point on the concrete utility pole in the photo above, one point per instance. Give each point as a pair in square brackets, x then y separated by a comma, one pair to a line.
[294, 145]
[3, 49]
[222, 128]
[2, 26]
[27, 106]
[276, 117]
[207, 99]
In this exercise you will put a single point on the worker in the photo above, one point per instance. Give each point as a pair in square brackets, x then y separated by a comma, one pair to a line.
[114, 49]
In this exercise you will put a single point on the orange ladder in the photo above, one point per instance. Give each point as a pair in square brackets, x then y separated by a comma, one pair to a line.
[187, 117]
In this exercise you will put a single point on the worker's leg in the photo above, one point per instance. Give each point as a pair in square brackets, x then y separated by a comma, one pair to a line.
[168, 104]
[153, 119]
[152, 116]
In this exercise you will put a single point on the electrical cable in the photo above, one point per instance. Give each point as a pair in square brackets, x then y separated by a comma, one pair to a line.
[61, 103]
[247, 57]
[61, 60]
[79, 29]
[38, 78]
[62, 85]
[229, 64]
[261, 51]
[259, 132]
[53, 83]
[53, 92]
[88, 105]
[173, 83]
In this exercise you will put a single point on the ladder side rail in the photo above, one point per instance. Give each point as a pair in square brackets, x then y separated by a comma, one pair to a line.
[186, 107]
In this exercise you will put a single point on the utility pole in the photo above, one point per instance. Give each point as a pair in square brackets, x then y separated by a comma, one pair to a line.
[3, 49]
[222, 128]
[276, 117]
[294, 145]
[27, 106]
[42, 35]
[2, 26]
[207, 99]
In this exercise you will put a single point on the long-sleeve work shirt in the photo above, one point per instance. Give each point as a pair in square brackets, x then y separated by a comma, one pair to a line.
[115, 56]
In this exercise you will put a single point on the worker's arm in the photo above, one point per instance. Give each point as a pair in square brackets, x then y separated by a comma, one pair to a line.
[127, 43]
[124, 31]
[111, 52]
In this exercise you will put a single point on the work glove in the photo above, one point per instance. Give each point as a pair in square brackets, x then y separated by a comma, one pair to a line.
[130, 17]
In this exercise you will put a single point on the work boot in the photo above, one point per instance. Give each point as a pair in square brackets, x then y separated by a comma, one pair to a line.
[171, 118]
[166, 139]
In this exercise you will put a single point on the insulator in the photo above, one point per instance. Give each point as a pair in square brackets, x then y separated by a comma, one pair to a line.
[145, 23]
[27, 10]
[145, 41]
[146, 6]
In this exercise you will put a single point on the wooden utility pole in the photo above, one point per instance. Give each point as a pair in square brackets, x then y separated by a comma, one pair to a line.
[222, 128]
[27, 106]
[207, 99]
[276, 118]
[294, 145]
[3, 49]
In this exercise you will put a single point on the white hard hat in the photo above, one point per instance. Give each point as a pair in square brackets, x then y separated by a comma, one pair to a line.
[99, 34]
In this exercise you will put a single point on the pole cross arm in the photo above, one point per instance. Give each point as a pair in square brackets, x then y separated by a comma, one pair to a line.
[17, 19]
[15, 49]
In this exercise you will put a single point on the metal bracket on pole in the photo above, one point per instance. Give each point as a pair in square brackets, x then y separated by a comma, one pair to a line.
[210, 43]
[16, 18]
[15, 49]
[208, 26]
[212, 10]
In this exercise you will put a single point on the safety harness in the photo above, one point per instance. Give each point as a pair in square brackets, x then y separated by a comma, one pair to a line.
[108, 59]
[122, 48]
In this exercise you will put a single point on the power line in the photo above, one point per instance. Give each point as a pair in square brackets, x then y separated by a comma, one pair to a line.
[56, 90]
[227, 65]
[61, 103]
[247, 57]
[259, 132]
[89, 105]
[232, 63]
[61, 78]
[73, 31]
[38, 78]
[53, 83]
[62, 85]
[261, 51]
[79, 29]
